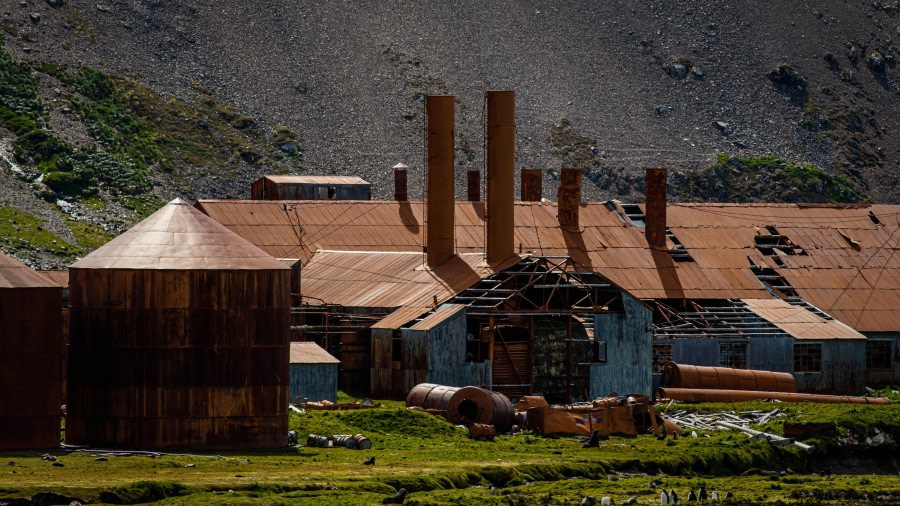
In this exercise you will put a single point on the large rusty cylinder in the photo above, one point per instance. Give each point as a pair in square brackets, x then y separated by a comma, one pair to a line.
[706, 395]
[464, 405]
[477, 405]
[724, 378]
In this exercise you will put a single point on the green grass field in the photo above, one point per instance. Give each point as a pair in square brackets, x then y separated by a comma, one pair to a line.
[438, 464]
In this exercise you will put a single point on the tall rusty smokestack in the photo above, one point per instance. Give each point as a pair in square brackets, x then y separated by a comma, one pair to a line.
[400, 191]
[474, 185]
[439, 194]
[500, 134]
[532, 185]
[655, 214]
[569, 198]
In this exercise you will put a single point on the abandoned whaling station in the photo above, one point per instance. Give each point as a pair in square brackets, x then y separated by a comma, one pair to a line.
[199, 326]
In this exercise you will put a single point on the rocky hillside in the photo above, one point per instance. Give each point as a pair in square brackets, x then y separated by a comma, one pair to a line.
[109, 108]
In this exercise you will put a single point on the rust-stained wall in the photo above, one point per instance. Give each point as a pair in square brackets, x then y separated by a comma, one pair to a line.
[192, 358]
[628, 367]
[264, 189]
[31, 367]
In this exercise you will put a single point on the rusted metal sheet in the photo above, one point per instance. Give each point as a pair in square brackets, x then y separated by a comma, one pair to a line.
[310, 353]
[655, 190]
[532, 185]
[440, 315]
[190, 357]
[473, 186]
[859, 288]
[32, 351]
[400, 317]
[627, 415]
[275, 187]
[464, 405]
[799, 322]
[500, 133]
[387, 280]
[440, 228]
[701, 377]
[707, 395]
[569, 198]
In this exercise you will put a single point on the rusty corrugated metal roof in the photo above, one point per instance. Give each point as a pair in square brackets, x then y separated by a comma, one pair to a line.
[60, 276]
[15, 274]
[176, 237]
[320, 180]
[857, 283]
[311, 353]
[798, 322]
[439, 316]
[401, 317]
[389, 279]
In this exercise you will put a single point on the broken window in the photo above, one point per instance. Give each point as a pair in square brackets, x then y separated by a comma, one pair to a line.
[807, 357]
[878, 355]
[733, 354]
[397, 346]
[662, 354]
[874, 219]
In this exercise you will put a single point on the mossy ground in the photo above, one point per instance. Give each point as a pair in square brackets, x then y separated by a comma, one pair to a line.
[438, 464]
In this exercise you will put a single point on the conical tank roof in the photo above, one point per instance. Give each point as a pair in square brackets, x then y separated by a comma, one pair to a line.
[179, 237]
[15, 274]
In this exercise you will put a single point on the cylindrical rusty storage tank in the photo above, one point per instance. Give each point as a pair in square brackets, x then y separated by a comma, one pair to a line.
[465, 405]
[179, 337]
[724, 378]
[31, 358]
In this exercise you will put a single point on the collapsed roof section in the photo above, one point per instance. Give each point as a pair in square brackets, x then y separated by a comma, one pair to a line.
[838, 258]
[746, 318]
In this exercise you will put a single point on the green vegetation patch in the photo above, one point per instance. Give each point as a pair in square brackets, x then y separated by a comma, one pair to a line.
[22, 230]
[768, 178]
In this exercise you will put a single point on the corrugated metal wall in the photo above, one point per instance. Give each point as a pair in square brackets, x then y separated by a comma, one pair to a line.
[295, 191]
[628, 351]
[843, 368]
[315, 382]
[31, 367]
[436, 355]
[771, 354]
[843, 360]
[890, 376]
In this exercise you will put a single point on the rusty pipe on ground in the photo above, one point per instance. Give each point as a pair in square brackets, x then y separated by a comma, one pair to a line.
[712, 395]
[773, 439]
[725, 378]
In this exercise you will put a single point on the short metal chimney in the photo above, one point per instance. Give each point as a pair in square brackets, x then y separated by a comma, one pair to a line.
[569, 198]
[532, 185]
[400, 191]
[655, 212]
[474, 185]
[500, 134]
[440, 205]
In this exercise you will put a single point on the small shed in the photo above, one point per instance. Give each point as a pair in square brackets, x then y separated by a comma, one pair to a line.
[310, 188]
[314, 372]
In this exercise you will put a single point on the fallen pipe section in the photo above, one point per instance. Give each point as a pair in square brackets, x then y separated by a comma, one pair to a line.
[712, 395]
[464, 405]
[725, 378]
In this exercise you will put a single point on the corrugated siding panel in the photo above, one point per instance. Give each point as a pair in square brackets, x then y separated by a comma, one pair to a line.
[628, 351]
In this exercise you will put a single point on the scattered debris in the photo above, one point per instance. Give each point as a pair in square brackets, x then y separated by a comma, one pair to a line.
[357, 442]
[709, 421]
[332, 406]
[773, 439]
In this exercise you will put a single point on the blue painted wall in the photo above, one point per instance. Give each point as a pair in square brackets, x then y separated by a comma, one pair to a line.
[628, 367]
[888, 377]
[316, 382]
